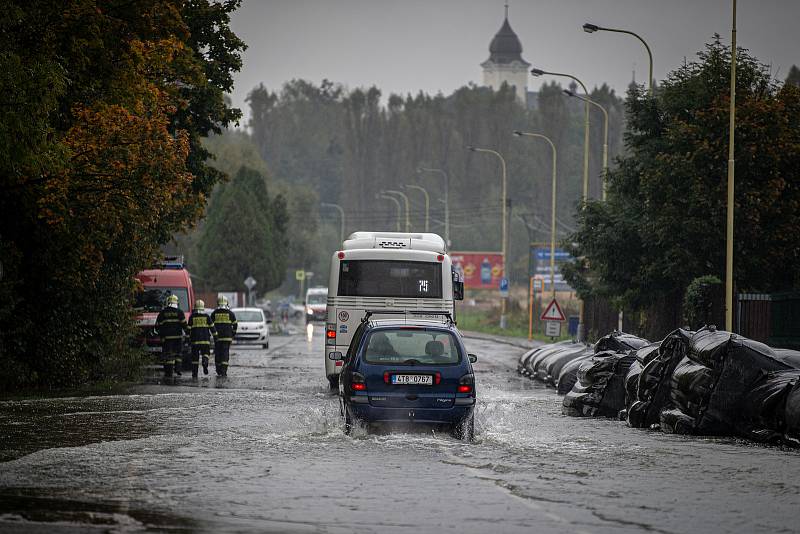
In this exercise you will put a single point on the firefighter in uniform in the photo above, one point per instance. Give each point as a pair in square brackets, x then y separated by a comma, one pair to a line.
[225, 325]
[170, 325]
[201, 327]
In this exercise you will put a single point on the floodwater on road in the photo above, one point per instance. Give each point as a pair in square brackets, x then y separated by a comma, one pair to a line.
[264, 450]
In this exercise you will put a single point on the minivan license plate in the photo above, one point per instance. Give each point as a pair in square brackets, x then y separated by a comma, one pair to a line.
[415, 380]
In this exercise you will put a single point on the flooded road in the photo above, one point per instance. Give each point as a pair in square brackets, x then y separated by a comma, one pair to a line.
[263, 450]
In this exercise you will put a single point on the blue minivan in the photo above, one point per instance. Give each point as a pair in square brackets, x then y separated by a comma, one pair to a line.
[408, 369]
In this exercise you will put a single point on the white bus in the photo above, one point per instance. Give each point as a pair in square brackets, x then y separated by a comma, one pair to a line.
[385, 271]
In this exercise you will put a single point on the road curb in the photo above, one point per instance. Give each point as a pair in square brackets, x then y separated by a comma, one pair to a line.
[514, 341]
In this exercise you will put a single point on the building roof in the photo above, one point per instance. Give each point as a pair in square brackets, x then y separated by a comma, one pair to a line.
[505, 46]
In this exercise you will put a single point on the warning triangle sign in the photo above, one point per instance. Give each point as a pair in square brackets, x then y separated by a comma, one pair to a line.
[553, 312]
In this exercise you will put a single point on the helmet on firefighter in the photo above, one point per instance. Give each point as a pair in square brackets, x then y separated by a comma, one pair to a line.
[172, 301]
[199, 304]
[222, 302]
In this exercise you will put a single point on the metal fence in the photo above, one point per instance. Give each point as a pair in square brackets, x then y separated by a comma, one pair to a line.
[771, 318]
[753, 315]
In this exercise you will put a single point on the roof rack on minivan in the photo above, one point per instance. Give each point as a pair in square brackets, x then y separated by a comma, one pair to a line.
[370, 313]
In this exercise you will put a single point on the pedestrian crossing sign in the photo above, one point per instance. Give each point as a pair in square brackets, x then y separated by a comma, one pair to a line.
[553, 312]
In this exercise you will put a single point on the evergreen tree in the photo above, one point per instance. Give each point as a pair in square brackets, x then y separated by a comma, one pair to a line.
[243, 235]
[794, 76]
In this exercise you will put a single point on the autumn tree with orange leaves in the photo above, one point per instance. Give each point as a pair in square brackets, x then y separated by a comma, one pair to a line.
[105, 105]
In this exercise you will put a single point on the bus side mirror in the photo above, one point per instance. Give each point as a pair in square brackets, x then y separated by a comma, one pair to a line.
[472, 358]
[335, 356]
[458, 290]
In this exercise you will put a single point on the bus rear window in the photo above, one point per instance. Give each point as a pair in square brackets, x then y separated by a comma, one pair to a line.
[378, 278]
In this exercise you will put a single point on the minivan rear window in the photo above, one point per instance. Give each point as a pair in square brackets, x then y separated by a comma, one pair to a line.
[380, 278]
[411, 347]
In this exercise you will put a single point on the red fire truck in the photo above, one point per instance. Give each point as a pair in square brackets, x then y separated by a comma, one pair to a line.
[170, 277]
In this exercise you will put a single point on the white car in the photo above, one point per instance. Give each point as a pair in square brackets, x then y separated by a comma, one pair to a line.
[253, 327]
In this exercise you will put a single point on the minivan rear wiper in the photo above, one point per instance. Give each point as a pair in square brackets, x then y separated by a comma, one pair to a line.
[412, 361]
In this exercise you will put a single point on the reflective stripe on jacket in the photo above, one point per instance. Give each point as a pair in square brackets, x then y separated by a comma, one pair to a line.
[224, 323]
[201, 327]
[171, 323]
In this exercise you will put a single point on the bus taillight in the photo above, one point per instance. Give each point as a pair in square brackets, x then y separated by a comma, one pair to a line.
[330, 335]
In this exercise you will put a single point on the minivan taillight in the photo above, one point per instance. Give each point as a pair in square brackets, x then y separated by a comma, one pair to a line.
[466, 384]
[357, 382]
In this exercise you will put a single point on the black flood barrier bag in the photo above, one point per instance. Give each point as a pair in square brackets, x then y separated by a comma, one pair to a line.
[674, 421]
[737, 372]
[691, 387]
[543, 364]
[692, 383]
[631, 386]
[647, 353]
[792, 414]
[643, 355]
[789, 357]
[569, 373]
[652, 393]
[533, 362]
[524, 358]
[556, 363]
[721, 387]
[765, 406]
[619, 342]
[600, 389]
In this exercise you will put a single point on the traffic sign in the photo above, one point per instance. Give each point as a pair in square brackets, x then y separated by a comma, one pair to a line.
[504, 287]
[300, 274]
[553, 312]
[552, 329]
[250, 282]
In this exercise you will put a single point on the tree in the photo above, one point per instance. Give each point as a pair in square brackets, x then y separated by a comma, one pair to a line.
[794, 76]
[100, 163]
[664, 222]
[244, 235]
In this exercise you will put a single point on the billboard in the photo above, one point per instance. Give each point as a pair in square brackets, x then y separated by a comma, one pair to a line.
[480, 270]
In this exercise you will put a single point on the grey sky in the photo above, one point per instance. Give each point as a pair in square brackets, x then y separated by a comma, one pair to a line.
[406, 46]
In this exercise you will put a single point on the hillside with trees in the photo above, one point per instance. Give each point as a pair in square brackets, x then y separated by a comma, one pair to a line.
[346, 145]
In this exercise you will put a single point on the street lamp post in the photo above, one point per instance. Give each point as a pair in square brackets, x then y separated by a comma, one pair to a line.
[446, 200]
[399, 208]
[427, 204]
[552, 208]
[731, 162]
[591, 28]
[605, 134]
[341, 218]
[540, 72]
[505, 222]
[408, 205]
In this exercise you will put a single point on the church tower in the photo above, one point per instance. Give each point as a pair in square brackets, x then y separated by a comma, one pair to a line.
[505, 63]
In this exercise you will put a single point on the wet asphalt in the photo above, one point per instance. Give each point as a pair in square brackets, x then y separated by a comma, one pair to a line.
[263, 450]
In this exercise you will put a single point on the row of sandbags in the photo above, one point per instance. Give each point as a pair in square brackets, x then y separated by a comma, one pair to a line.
[712, 382]
[706, 382]
[599, 387]
[560, 364]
